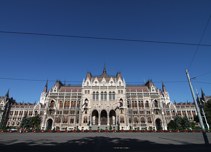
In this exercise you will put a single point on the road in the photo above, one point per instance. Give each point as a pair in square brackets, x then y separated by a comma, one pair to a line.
[75, 142]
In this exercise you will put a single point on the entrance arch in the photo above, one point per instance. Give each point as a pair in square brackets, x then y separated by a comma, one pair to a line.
[103, 117]
[49, 124]
[95, 117]
[158, 123]
[112, 117]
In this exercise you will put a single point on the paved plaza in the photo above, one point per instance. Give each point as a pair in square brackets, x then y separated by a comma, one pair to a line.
[74, 142]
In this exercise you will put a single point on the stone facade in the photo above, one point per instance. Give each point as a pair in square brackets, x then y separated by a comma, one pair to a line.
[101, 102]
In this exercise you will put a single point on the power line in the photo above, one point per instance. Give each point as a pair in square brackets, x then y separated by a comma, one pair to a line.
[104, 38]
[35, 80]
[199, 43]
[42, 80]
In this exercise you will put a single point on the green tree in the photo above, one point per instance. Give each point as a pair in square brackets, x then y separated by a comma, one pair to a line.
[31, 122]
[172, 125]
[185, 123]
[207, 110]
[180, 123]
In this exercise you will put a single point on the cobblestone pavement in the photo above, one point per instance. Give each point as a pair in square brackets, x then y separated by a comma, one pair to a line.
[103, 142]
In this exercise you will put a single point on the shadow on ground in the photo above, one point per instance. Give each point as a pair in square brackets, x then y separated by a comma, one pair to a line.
[100, 144]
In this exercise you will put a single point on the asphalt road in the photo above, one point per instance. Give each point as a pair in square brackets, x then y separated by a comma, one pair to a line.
[75, 142]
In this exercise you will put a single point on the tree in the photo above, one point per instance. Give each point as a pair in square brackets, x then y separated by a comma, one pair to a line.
[31, 122]
[207, 110]
[185, 123]
[172, 125]
[180, 123]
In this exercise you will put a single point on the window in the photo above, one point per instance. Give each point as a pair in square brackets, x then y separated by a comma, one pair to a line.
[141, 104]
[105, 95]
[85, 119]
[71, 120]
[67, 104]
[60, 104]
[147, 104]
[110, 95]
[142, 120]
[93, 95]
[97, 96]
[135, 104]
[52, 104]
[101, 95]
[156, 103]
[58, 120]
[113, 95]
[122, 119]
[65, 120]
[149, 120]
[136, 120]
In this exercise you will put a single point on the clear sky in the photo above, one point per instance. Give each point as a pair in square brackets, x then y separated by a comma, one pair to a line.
[68, 59]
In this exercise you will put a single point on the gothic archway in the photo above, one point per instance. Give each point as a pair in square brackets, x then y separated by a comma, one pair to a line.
[112, 117]
[158, 124]
[95, 117]
[103, 117]
[49, 124]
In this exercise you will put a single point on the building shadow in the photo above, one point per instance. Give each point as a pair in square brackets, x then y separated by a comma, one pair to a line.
[101, 144]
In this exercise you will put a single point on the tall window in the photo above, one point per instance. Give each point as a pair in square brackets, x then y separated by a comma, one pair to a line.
[142, 120]
[97, 96]
[156, 103]
[60, 104]
[113, 95]
[110, 95]
[52, 104]
[66, 104]
[101, 96]
[105, 95]
[135, 104]
[93, 95]
[147, 104]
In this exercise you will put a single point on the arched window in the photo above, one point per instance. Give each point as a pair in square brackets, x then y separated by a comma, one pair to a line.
[135, 120]
[149, 120]
[105, 95]
[85, 119]
[141, 104]
[110, 98]
[60, 104]
[147, 104]
[156, 103]
[52, 104]
[135, 104]
[78, 104]
[66, 104]
[94, 96]
[113, 94]
[65, 120]
[142, 120]
[101, 96]
[122, 119]
[97, 96]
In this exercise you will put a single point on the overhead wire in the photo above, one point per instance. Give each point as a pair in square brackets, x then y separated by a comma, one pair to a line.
[199, 43]
[104, 38]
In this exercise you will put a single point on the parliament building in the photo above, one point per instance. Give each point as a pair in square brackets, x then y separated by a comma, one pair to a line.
[101, 102]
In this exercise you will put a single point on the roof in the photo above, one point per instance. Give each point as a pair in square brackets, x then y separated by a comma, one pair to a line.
[137, 88]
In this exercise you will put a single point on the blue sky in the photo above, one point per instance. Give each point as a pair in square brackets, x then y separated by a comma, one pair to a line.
[68, 59]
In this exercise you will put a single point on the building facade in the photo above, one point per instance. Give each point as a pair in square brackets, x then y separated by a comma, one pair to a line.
[101, 102]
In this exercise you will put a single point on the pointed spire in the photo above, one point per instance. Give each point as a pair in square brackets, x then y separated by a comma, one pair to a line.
[202, 95]
[46, 87]
[163, 87]
[8, 93]
[104, 74]
[104, 69]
